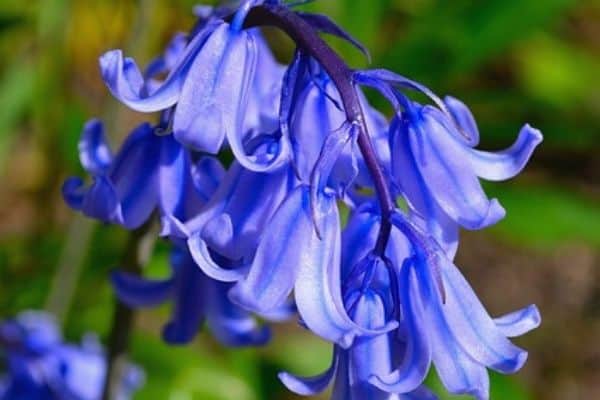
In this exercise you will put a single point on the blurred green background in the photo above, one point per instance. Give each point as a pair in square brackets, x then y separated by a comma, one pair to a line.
[512, 61]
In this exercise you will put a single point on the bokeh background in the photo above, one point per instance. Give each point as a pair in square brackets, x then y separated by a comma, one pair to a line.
[512, 61]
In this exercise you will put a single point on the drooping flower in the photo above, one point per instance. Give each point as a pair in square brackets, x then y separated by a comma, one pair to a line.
[40, 366]
[440, 321]
[210, 87]
[197, 298]
[434, 160]
[353, 369]
[311, 112]
[373, 302]
[290, 255]
[149, 173]
[463, 339]
[236, 216]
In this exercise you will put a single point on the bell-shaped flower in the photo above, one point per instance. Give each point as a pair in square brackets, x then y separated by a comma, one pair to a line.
[370, 300]
[149, 172]
[463, 339]
[197, 298]
[210, 87]
[292, 256]
[353, 369]
[438, 170]
[40, 366]
[311, 112]
[233, 221]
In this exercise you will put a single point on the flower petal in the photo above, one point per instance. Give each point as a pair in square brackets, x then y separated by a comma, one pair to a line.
[369, 355]
[134, 175]
[310, 386]
[416, 358]
[244, 66]
[207, 174]
[94, 154]
[136, 291]
[231, 325]
[317, 289]
[424, 209]
[173, 177]
[101, 202]
[359, 237]
[449, 178]
[190, 303]
[473, 328]
[235, 217]
[519, 322]
[73, 192]
[459, 373]
[507, 163]
[124, 79]
[202, 257]
[331, 150]
[281, 252]
[464, 120]
[125, 82]
[316, 113]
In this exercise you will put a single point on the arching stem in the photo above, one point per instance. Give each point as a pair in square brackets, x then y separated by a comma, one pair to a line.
[307, 38]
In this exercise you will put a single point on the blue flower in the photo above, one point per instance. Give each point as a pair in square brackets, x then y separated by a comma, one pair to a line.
[211, 87]
[462, 340]
[374, 303]
[436, 166]
[439, 320]
[236, 216]
[311, 113]
[290, 255]
[197, 298]
[40, 366]
[150, 172]
[353, 369]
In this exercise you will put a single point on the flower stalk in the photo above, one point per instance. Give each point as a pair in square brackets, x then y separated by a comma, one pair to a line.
[307, 38]
[137, 252]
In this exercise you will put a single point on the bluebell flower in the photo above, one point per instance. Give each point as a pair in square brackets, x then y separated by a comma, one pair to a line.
[373, 302]
[40, 366]
[435, 165]
[353, 369]
[210, 87]
[149, 173]
[236, 216]
[440, 320]
[438, 169]
[311, 112]
[197, 298]
[290, 255]
[456, 333]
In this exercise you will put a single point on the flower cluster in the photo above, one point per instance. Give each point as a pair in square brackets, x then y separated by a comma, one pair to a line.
[40, 366]
[262, 237]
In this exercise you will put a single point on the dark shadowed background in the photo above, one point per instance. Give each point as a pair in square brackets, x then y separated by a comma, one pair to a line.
[512, 61]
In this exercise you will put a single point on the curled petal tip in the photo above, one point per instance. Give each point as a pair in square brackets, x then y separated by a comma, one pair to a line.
[73, 192]
[537, 135]
[201, 255]
[510, 366]
[519, 322]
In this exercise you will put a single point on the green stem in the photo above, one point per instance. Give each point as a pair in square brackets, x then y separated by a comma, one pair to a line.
[137, 253]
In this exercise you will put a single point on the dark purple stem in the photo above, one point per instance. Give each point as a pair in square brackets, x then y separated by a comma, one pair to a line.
[308, 39]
